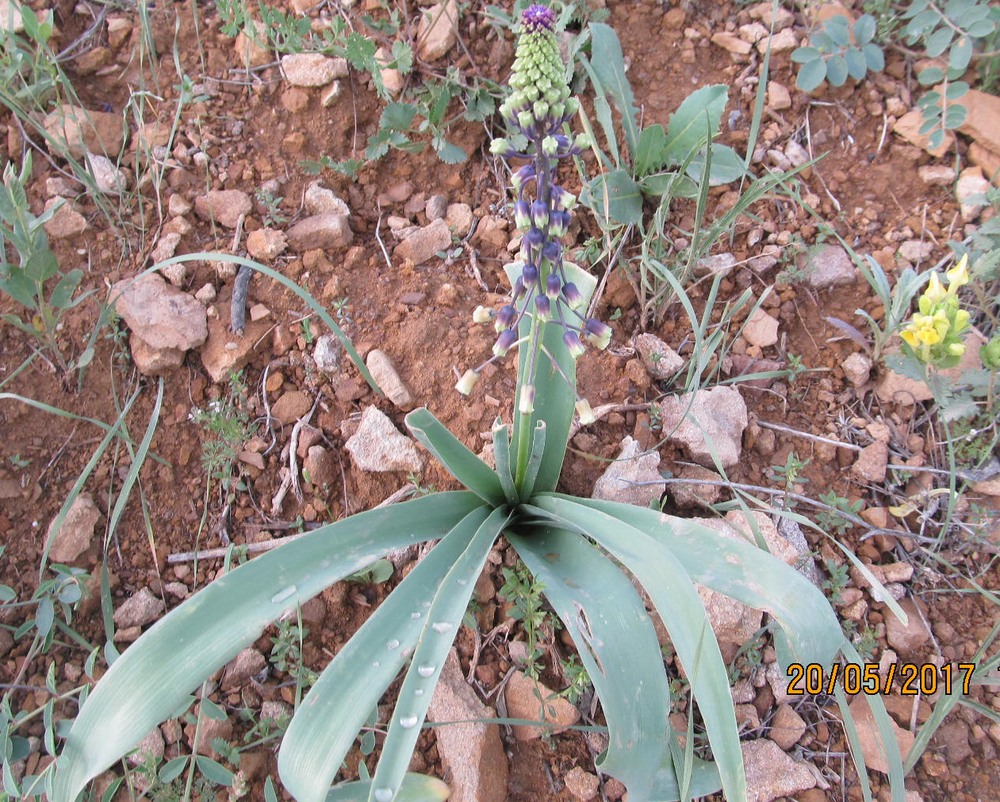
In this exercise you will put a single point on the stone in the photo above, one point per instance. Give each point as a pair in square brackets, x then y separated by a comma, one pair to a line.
[711, 265]
[327, 353]
[771, 15]
[378, 446]
[108, 178]
[224, 351]
[139, 609]
[165, 248]
[459, 218]
[915, 251]
[320, 467]
[582, 784]
[471, 751]
[251, 46]
[392, 79]
[936, 174]
[731, 42]
[150, 749]
[771, 773]
[659, 359]
[436, 207]
[781, 42]
[795, 153]
[424, 243]
[760, 329]
[908, 128]
[633, 477]
[982, 122]
[691, 493]
[387, 377]
[437, 31]
[970, 191]
[223, 206]
[988, 160]
[706, 423]
[291, 406]
[78, 131]
[778, 96]
[67, 222]
[208, 730]
[266, 244]
[160, 314]
[828, 265]
[242, 668]
[320, 231]
[312, 69]
[872, 463]
[11, 20]
[320, 200]
[151, 361]
[906, 638]
[872, 748]
[529, 699]
[787, 727]
[955, 737]
[857, 369]
[76, 534]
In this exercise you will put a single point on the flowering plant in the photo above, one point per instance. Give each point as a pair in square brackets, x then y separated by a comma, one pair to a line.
[934, 333]
[579, 549]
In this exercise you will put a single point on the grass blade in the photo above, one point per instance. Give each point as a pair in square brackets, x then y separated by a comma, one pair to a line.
[415, 788]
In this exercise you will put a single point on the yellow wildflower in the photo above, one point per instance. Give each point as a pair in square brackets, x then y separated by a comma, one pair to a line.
[958, 276]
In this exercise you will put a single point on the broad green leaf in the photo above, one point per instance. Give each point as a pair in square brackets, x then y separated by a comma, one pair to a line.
[673, 184]
[415, 788]
[956, 90]
[20, 287]
[811, 75]
[452, 453]
[836, 70]
[981, 29]
[62, 295]
[727, 166]
[398, 116]
[555, 387]
[172, 769]
[615, 197]
[154, 675]
[745, 573]
[312, 750]
[441, 622]
[609, 65]
[501, 456]
[688, 130]
[650, 154]
[41, 266]
[838, 29]
[602, 109]
[683, 614]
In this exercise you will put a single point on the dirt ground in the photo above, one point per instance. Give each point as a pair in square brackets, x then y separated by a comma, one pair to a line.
[256, 129]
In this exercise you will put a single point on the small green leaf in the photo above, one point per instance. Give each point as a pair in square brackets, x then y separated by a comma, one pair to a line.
[811, 75]
[936, 139]
[616, 196]
[836, 70]
[955, 116]
[981, 29]
[402, 56]
[651, 152]
[214, 771]
[172, 769]
[864, 29]
[449, 153]
[398, 116]
[938, 41]
[62, 295]
[41, 266]
[956, 90]
[360, 51]
[857, 65]
[803, 55]
[874, 57]
[930, 76]
[960, 54]
[838, 29]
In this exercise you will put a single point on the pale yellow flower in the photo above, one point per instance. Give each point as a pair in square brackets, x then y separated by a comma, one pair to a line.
[958, 276]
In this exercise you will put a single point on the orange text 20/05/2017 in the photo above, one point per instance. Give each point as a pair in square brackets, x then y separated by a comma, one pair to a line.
[910, 679]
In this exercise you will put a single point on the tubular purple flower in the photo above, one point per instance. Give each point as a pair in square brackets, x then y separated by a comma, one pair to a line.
[518, 289]
[553, 286]
[558, 224]
[596, 333]
[529, 275]
[572, 342]
[522, 215]
[552, 251]
[506, 317]
[543, 308]
[505, 342]
[521, 177]
[539, 214]
[538, 17]
[572, 295]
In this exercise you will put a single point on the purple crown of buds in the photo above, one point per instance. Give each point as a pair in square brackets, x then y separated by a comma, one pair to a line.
[538, 16]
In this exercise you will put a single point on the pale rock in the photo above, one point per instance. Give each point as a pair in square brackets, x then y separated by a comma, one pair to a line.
[225, 351]
[936, 174]
[769, 14]
[312, 69]
[711, 265]
[988, 160]
[150, 361]
[378, 446]
[693, 493]
[424, 243]
[206, 294]
[872, 463]
[781, 42]
[67, 222]
[150, 749]
[437, 31]
[330, 94]
[119, 31]
[706, 423]
[778, 96]
[161, 315]
[10, 17]
[915, 251]
[387, 377]
[779, 160]
[828, 265]
[459, 218]
[266, 244]
[471, 751]
[872, 747]
[392, 79]
[178, 205]
[327, 353]
[208, 730]
[79, 131]
[223, 206]
[753, 32]
[788, 544]
[771, 773]
[633, 477]
[108, 178]
[321, 200]
[760, 329]
[242, 668]
[251, 46]
[892, 386]
[982, 122]
[291, 406]
[857, 369]
[795, 153]
[787, 727]
[659, 359]
[731, 42]
[906, 638]
[166, 247]
[75, 535]
[955, 737]
[970, 191]
[529, 699]
[436, 207]
[582, 784]
[139, 609]
[320, 468]
[320, 231]
[908, 127]
[60, 185]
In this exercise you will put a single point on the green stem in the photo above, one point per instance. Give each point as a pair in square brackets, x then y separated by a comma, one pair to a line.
[526, 377]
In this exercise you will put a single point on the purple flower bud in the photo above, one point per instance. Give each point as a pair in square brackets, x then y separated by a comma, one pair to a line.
[529, 275]
[552, 251]
[506, 317]
[542, 307]
[598, 334]
[572, 295]
[558, 224]
[522, 216]
[572, 342]
[521, 177]
[505, 342]
[539, 214]
[534, 237]
[553, 286]
[526, 401]
[518, 289]
[538, 17]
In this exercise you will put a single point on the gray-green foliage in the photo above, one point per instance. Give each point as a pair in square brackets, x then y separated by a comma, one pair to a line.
[838, 51]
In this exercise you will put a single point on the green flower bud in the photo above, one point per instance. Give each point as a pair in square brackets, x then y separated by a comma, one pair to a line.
[990, 354]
